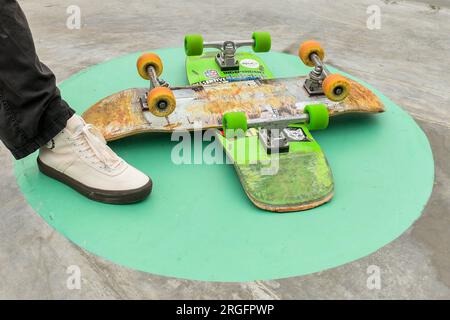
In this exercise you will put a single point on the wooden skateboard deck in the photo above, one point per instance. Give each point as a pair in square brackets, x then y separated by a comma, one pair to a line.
[297, 180]
[201, 107]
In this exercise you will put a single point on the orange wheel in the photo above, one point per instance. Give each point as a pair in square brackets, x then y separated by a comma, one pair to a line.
[161, 101]
[145, 61]
[308, 47]
[336, 87]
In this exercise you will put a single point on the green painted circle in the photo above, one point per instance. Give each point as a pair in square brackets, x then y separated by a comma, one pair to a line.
[199, 224]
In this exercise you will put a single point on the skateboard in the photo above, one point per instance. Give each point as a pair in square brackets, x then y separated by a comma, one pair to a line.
[126, 113]
[280, 165]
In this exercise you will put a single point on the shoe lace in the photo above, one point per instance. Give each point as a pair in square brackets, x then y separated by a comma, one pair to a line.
[92, 145]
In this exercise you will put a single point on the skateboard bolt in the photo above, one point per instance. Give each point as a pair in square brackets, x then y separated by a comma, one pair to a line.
[338, 91]
[162, 105]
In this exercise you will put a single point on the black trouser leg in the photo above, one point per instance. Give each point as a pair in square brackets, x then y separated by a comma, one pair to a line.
[31, 109]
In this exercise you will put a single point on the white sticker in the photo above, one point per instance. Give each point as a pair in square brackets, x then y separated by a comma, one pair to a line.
[250, 63]
[211, 73]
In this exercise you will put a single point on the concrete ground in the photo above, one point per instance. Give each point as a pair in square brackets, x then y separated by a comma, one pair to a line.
[407, 59]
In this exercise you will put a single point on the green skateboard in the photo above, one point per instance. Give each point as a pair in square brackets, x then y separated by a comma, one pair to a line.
[280, 165]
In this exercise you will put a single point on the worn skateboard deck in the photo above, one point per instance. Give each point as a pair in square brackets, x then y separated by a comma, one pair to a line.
[297, 180]
[201, 107]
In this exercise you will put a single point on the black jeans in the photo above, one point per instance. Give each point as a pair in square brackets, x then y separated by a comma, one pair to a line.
[31, 109]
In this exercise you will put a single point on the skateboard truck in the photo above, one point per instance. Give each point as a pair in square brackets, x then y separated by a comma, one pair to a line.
[321, 81]
[275, 135]
[155, 82]
[226, 57]
[159, 99]
[313, 84]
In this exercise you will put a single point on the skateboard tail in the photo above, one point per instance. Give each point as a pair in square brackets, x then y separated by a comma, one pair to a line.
[290, 183]
[297, 180]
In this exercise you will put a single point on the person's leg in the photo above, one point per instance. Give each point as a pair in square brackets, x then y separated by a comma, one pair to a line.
[31, 109]
[33, 116]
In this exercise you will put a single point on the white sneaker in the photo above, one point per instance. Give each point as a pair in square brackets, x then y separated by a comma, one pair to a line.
[79, 157]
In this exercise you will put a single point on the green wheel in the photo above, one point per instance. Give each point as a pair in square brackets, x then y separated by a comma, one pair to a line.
[318, 116]
[262, 41]
[193, 44]
[234, 121]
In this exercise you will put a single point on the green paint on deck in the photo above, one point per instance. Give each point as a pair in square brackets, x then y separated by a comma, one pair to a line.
[291, 179]
[199, 224]
[205, 69]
